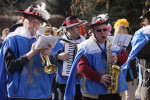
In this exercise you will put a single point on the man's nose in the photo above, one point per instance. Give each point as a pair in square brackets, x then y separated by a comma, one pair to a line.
[102, 32]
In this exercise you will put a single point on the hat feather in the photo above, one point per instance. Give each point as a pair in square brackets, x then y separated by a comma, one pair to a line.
[42, 10]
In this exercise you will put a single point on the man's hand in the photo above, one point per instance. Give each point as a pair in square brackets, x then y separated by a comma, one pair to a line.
[47, 50]
[105, 79]
[114, 58]
[32, 52]
[63, 56]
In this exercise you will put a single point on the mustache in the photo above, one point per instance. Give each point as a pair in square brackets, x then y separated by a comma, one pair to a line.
[104, 37]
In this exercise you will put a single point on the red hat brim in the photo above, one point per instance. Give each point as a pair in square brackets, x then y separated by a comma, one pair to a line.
[74, 24]
[93, 25]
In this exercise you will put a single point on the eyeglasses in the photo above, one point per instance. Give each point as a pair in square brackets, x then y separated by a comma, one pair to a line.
[100, 30]
[34, 22]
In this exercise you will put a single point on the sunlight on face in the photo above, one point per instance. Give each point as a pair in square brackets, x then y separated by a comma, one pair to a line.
[75, 31]
[32, 24]
[146, 22]
[100, 31]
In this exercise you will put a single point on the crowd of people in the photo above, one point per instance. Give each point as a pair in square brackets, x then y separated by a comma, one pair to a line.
[84, 55]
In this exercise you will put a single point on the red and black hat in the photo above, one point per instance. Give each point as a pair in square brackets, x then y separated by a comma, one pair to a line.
[73, 20]
[98, 20]
[37, 12]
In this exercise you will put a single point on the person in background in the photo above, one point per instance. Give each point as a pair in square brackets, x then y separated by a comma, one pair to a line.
[143, 24]
[140, 50]
[91, 64]
[64, 52]
[5, 32]
[1, 42]
[109, 28]
[49, 30]
[22, 75]
[83, 32]
[0, 39]
[122, 26]
[145, 19]
[144, 61]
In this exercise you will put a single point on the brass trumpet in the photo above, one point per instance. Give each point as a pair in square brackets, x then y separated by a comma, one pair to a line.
[49, 68]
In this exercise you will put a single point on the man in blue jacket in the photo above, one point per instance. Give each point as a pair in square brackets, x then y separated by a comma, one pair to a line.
[91, 63]
[22, 75]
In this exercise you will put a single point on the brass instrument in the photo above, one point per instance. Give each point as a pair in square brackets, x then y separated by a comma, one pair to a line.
[49, 68]
[112, 70]
[50, 30]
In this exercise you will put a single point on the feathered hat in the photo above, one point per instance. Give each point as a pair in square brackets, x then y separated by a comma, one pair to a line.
[122, 21]
[99, 20]
[36, 11]
[73, 20]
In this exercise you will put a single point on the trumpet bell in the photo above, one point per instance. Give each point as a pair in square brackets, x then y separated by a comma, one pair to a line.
[50, 69]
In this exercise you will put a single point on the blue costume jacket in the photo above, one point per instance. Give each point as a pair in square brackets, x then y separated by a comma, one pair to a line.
[31, 82]
[140, 38]
[97, 62]
[59, 48]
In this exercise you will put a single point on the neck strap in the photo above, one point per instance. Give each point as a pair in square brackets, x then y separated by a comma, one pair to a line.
[102, 49]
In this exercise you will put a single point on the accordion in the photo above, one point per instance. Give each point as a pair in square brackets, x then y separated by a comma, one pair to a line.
[71, 49]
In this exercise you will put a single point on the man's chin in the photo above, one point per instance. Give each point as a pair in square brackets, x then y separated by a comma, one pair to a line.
[32, 32]
[77, 37]
[101, 40]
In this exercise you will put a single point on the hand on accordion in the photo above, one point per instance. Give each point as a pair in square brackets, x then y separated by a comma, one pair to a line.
[63, 56]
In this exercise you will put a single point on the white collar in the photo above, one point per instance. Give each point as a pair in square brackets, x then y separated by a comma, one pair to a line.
[22, 31]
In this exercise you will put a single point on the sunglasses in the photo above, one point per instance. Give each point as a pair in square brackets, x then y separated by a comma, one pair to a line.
[100, 30]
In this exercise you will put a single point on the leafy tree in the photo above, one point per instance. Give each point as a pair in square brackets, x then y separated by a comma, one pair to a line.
[129, 9]
[116, 9]
[85, 9]
[7, 11]
[8, 7]
[61, 7]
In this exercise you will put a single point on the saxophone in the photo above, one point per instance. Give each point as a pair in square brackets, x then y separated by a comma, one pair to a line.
[112, 70]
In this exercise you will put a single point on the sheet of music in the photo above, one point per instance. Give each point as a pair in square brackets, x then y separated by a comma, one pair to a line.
[44, 41]
[42, 30]
[122, 39]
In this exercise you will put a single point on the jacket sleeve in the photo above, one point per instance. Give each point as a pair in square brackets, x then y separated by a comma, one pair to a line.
[12, 63]
[85, 70]
[122, 58]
